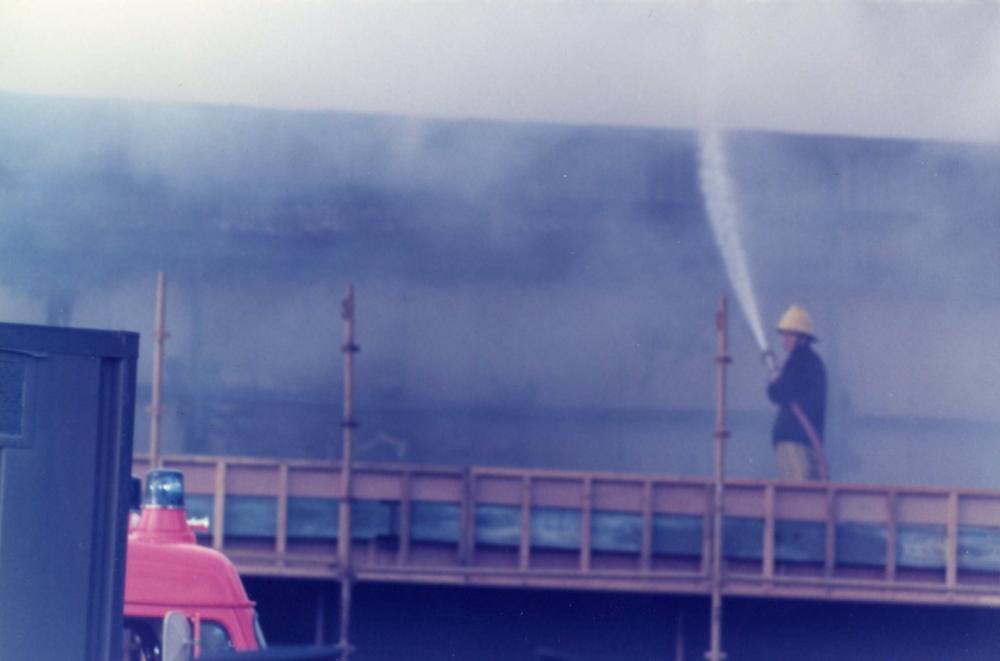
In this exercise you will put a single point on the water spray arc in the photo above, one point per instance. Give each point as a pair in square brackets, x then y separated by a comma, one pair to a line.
[724, 219]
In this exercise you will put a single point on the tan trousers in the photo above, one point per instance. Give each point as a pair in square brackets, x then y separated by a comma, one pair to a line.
[795, 462]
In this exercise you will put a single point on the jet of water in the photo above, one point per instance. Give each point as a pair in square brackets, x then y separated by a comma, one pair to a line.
[723, 216]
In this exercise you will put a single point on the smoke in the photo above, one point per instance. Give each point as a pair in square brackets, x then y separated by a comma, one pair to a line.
[906, 68]
[559, 275]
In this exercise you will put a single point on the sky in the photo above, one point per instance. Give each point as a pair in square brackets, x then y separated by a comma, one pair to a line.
[904, 68]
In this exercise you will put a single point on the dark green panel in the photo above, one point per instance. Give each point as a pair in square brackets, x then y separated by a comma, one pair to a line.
[920, 547]
[799, 541]
[861, 544]
[434, 522]
[308, 518]
[979, 549]
[556, 528]
[743, 539]
[616, 532]
[677, 535]
[318, 518]
[498, 525]
[251, 516]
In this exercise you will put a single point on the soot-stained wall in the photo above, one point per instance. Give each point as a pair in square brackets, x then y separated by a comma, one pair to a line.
[526, 294]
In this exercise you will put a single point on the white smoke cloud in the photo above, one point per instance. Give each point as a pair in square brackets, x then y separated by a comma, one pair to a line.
[920, 69]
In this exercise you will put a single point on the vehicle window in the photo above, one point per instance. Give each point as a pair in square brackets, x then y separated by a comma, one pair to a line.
[140, 641]
[214, 638]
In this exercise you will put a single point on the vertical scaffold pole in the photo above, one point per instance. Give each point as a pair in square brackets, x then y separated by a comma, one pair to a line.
[159, 337]
[344, 525]
[722, 361]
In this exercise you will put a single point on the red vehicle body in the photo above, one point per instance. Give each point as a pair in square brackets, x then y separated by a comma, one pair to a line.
[167, 571]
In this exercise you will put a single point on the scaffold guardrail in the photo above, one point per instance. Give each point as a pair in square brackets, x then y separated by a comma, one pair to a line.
[602, 531]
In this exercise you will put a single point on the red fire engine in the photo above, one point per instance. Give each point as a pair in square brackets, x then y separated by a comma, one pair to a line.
[168, 573]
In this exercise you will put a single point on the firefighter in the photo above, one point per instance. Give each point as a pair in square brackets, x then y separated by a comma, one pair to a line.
[799, 390]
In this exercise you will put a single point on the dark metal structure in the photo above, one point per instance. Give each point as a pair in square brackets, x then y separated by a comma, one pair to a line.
[66, 414]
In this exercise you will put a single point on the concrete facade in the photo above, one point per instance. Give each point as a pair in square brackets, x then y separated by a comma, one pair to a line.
[527, 294]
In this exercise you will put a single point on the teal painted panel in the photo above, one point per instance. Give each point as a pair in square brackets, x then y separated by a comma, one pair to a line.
[979, 549]
[498, 525]
[371, 519]
[199, 506]
[799, 541]
[556, 528]
[742, 538]
[308, 518]
[317, 518]
[551, 527]
[677, 535]
[920, 547]
[861, 544]
[251, 516]
[917, 547]
[434, 522]
[616, 532]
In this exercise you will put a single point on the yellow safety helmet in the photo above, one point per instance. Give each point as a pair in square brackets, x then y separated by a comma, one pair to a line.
[796, 320]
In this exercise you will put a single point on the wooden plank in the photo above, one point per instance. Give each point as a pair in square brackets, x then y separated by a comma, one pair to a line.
[682, 498]
[802, 502]
[856, 545]
[524, 550]
[281, 523]
[890, 536]
[312, 482]
[744, 500]
[830, 554]
[467, 523]
[908, 538]
[617, 495]
[252, 480]
[436, 486]
[980, 510]
[646, 543]
[921, 507]
[588, 488]
[951, 542]
[552, 492]
[706, 530]
[767, 555]
[375, 484]
[219, 506]
[497, 489]
[403, 557]
[867, 506]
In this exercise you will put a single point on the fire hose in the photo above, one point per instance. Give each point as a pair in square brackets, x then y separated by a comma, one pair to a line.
[815, 442]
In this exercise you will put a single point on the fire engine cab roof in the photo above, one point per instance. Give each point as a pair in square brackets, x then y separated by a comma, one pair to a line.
[181, 574]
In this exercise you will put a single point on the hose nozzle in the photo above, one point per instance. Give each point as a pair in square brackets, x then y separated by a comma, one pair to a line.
[770, 362]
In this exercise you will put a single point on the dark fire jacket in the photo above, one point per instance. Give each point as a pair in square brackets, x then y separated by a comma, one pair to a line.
[802, 380]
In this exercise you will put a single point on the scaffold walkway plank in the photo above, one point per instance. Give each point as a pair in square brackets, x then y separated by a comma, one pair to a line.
[600, 531]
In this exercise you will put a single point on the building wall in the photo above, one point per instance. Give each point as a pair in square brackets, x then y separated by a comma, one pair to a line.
[526, 294]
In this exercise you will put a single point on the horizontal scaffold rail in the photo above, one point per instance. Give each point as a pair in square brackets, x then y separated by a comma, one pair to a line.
[603, 531]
